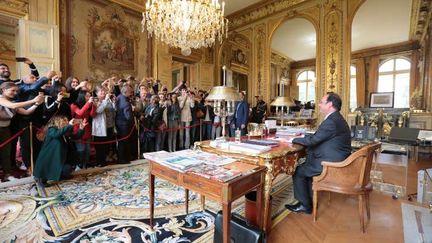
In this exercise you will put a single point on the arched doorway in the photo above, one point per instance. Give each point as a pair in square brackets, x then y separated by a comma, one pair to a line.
[293, 49]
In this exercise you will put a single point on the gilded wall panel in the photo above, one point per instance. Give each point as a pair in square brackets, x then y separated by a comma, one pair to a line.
[333, 54]
[261, 69]
[44, 11]
[206, 81]
[7, 52]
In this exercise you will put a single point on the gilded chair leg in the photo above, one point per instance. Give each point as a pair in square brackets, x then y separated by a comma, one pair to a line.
[315, 203]
[367, 204]
[361, 213]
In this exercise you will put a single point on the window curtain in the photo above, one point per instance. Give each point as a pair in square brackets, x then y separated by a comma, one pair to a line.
[360, 82]
[373, 76]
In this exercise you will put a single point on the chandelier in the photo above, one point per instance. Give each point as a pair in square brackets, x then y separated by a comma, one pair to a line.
[185, 24]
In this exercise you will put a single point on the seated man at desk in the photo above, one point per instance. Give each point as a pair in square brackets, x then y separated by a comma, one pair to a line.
[331, 142]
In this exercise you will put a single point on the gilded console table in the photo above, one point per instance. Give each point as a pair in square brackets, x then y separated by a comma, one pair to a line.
[280, 159]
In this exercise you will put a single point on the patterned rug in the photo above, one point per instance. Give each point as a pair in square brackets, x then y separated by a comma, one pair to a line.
[111, 205]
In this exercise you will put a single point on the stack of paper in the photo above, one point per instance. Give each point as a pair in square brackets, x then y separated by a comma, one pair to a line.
[290, 131]
[185, 159]
[213, 172]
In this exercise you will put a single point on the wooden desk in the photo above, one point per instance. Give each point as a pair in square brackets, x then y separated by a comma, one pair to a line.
[224, 193]
[281, 159]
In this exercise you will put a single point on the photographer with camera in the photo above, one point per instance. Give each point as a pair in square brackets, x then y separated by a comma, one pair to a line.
[83, 108]
[103, 123]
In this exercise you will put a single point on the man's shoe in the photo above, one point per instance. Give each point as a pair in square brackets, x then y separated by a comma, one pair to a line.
[298, 208]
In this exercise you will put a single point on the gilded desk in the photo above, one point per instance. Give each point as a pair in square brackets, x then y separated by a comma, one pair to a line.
[280, 159]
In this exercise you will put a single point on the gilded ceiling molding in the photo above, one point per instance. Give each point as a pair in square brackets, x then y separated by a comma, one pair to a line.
[421, 11]
[136, 5]
[280, 59]
[260, 11]
[17, 8]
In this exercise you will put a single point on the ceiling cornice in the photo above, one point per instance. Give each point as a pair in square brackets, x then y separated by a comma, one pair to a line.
[259, 11]
[15, 8]
[421, 11]
[136, 5]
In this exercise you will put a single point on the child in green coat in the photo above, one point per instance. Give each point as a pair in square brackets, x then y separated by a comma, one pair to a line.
[51, 161]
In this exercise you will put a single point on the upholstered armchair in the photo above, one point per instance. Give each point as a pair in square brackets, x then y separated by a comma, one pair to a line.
[351, 176]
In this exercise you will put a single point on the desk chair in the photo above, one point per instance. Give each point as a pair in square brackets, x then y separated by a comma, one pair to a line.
[351, 176]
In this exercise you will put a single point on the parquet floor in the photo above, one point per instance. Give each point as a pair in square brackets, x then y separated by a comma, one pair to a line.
[339, 220]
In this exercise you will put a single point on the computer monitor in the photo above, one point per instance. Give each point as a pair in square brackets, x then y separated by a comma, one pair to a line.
[404, 135]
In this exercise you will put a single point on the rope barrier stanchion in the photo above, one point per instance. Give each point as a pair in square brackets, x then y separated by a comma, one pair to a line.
[31, 147]
[200, 128]
[137, 126]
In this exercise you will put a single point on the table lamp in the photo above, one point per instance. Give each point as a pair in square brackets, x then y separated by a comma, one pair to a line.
[224, 99]
[282, 101]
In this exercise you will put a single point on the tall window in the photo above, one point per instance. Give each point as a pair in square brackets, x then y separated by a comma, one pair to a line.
[306, 86]
[394, 76]
[353, 88]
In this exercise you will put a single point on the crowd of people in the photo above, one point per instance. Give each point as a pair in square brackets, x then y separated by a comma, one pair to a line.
[70, 117]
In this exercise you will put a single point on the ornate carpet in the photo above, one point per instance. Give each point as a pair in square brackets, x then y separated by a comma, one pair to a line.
[111, 205]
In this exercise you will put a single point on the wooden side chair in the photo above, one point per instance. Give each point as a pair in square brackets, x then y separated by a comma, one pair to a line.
[351, 176]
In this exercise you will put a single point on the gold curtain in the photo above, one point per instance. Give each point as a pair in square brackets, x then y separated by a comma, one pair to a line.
[373, 76]
[360, 82]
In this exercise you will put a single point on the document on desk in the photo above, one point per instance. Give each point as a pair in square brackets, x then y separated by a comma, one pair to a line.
[425, 135]
[285, 139]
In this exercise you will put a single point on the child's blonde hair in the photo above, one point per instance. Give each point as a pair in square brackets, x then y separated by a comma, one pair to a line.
[56, 121]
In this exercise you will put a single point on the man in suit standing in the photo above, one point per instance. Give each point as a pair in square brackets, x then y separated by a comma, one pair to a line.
[331, 142]
[124, 123]
[241, 115]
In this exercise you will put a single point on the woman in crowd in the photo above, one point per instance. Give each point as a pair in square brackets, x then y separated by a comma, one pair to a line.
[8, 109]
[103, 124]
[83, 108]
[173, 116]
[163, 125]
[73, 86]
[208, 120]
[56, 102]
[51, 162]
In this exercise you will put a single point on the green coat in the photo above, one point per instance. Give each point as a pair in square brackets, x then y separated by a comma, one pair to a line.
[53, 153]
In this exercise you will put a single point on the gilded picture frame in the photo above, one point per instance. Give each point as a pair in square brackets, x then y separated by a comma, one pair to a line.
[381, 100]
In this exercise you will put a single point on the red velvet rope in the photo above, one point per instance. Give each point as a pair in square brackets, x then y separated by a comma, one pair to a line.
[112, 141]
[12, 138]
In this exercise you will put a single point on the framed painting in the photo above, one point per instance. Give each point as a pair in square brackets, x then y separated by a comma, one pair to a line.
[381, 100]
[112, 48]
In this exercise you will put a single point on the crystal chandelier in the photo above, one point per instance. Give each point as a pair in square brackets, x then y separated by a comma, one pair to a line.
[185, 24]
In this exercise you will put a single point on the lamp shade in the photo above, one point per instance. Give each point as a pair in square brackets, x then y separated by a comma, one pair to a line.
[282, 101]
[223, 93]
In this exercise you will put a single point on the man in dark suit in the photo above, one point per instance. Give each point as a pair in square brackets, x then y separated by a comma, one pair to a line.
[124, 123]
[331, 142]
[241, 115]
